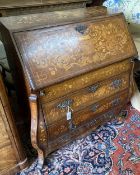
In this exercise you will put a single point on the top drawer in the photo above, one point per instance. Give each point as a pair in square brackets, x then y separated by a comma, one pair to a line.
[83, 81]
[52, 55]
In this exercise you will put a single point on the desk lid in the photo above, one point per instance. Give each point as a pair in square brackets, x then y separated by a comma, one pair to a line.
[53, 54]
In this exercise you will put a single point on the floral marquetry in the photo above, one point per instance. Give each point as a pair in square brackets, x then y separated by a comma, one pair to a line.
[63, 52]
[88, 79]
[83, 98]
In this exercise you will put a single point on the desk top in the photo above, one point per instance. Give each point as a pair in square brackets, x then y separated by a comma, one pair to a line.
[7, 4]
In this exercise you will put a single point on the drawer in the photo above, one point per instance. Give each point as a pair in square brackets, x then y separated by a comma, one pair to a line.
[81, 117]
[83, 81]
[99, 107]
[84, 129]
[56, 110]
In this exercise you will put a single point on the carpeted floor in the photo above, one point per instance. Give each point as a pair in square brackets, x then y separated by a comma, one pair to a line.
[113, 149]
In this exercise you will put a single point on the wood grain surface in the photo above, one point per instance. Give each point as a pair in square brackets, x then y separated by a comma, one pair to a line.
[15, 7]
[12, 153]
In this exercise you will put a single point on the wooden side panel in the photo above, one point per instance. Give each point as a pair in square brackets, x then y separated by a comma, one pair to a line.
[11, 150]
[4, 138]
[8, 160]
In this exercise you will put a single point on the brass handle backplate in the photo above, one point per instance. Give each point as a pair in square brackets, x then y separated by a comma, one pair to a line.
[116, 83]
[93, 88]
[95, 107]
[65, 104]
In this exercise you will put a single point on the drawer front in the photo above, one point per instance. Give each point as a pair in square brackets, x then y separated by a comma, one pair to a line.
[56, 110]
[84, 129]
[52, 55]
[83, 81]
[82, 117]
[59, 129]
[99, 107]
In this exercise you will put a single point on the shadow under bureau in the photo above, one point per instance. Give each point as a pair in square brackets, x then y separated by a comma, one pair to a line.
[77, 71]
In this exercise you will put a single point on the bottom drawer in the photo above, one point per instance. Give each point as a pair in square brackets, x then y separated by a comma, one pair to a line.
[84, 129]
[98, 108]
[63, 126]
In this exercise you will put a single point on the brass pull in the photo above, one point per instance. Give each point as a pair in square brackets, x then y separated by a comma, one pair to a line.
[109, 115]
[115, 102]
[116, 83]
[95, 107]
[93, 88]
[65, 104]
[81, 29]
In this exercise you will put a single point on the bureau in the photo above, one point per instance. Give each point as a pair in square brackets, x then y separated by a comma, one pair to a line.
[77, 71]
[12, 158]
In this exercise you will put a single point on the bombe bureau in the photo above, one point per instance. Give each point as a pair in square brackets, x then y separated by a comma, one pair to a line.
[78, 72]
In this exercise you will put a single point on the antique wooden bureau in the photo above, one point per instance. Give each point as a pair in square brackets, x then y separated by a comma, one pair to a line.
[77, 71]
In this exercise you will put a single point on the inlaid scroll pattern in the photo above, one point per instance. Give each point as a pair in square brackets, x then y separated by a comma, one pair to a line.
[42, 133]
[54, 54]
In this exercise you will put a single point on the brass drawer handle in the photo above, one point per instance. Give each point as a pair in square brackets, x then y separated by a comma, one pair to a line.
[115, 102]
[81, 29]
[109, 115]
[95, 107]
[93, 88]
[65, 104]
[116, 83]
